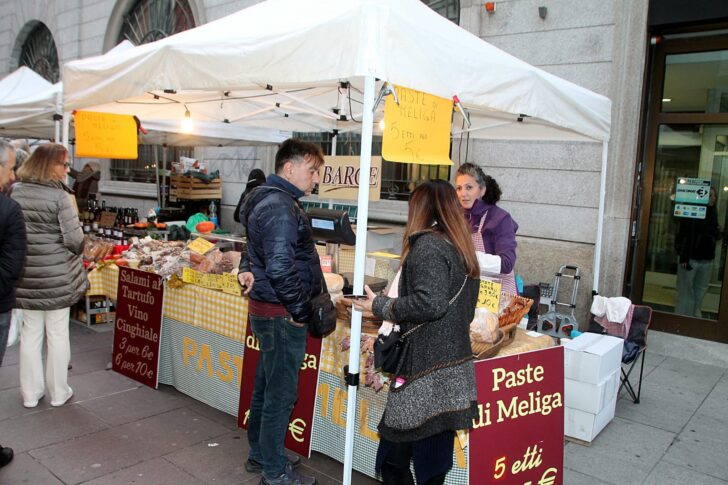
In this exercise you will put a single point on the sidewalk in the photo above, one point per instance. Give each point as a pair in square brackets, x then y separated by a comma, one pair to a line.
[116, 431]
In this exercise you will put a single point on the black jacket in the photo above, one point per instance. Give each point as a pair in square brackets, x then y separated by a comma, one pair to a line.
[281, 253]
[696, 238]
[13, 246]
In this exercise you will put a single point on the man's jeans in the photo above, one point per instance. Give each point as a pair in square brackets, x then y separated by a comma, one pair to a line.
[4, 329]
[282, 350]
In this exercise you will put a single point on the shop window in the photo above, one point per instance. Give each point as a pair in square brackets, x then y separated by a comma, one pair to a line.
[143, 169]
[398, 179]
[40, 54]
[696, 82]
[450, 9]
[148, 21]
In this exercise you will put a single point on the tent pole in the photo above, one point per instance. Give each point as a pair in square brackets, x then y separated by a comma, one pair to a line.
[66, 127]
[600, 218]
[56, 121]
[359, 261]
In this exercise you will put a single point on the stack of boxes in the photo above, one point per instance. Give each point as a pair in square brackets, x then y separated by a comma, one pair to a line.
[592, 365]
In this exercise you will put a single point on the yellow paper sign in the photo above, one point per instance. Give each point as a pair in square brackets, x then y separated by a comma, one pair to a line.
[200, 245]
[489, 295]
[418, 129]
[190, 275]
[230, 284]
[340, 178]
[105, 135]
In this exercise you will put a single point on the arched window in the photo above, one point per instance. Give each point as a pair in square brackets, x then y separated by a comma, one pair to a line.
[450, 9]
[150, 20]
[40, 54]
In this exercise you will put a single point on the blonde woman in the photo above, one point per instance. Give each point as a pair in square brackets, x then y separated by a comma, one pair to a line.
[54, 277]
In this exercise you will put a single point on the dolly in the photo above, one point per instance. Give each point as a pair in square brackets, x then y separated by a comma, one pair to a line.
[554, 322]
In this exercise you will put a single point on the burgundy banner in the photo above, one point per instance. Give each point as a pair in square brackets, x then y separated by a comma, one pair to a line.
[298, 438]
[519, 435]
[138, 325]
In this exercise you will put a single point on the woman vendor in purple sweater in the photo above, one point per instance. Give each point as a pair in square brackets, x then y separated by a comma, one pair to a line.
[494, 230]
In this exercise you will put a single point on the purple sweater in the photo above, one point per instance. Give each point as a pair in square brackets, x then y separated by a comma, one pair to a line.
[499, 232]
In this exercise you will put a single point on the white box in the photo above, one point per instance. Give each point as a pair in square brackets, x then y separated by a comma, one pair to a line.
[586, 426]
[592, 357]
[588, 397]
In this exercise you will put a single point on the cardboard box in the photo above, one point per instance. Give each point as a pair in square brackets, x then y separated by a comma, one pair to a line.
[588, 397]
[586, 426]
[592, 357]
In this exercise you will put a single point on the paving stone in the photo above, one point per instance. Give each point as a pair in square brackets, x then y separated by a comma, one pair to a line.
[99, 384]
[84, 339]
[89, 361]
[663, 406]
[48, 426]
[624, 452]
[157, 471]
[702, 446]
[716, 404]
[220, 417]
[132, 405]
[669, 474]
[691, 376]
[572, 477]
[9, 376]
[26, 470]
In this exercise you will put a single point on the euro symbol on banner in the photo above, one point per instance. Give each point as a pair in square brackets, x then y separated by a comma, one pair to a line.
[296, 428]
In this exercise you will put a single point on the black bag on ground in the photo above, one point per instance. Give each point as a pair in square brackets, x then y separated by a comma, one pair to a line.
[323, 319]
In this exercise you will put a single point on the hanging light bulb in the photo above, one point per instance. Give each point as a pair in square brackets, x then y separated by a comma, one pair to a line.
[187, 122]
[381, 124]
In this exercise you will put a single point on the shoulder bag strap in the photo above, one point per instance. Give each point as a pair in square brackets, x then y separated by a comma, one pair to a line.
[452, 300]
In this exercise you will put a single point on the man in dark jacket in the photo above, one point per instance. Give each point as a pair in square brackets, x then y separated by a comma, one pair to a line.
[284, 266]
[12, 256]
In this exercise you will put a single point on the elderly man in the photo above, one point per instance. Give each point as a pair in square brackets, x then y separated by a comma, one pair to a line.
[12, 256]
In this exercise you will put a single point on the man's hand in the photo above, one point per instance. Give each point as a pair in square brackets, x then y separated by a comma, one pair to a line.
[246, 280]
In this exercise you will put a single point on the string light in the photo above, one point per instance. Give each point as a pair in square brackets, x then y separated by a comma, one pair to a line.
[187, 122]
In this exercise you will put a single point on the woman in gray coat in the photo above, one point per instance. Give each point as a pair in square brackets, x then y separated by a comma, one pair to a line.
[54, 277]
[434, 393]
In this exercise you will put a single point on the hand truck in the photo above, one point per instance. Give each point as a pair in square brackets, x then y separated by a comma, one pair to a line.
[554, 322]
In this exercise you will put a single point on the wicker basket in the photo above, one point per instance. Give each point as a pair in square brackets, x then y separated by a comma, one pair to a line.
[482, 350]
[514, 311]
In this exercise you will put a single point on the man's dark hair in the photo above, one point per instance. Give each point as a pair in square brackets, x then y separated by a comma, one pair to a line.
[297, 151]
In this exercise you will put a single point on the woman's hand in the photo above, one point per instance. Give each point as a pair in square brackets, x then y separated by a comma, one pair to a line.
[365, 305]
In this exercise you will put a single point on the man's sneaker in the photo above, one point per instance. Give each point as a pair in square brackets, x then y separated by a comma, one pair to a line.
[6, 455]
[254, 466]
[289, 477]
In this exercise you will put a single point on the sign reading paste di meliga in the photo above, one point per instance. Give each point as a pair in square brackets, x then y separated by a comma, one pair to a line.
[417, 130]
[104, 135]
[340, 178]
[518, 436]
[138, 325]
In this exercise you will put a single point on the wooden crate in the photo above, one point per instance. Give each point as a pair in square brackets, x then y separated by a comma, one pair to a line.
[191, 188]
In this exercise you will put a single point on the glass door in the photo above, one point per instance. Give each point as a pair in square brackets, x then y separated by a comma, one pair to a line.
[681, 253]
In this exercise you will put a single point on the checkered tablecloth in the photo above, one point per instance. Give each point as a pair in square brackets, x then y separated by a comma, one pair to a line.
[333, 358]
[103, 281]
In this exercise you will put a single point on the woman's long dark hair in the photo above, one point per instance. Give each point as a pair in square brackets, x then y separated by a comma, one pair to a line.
[434, 206]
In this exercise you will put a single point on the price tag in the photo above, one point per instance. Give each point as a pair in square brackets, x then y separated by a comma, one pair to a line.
[190, 275]
[230, 284]
[200, 245]
[107, 219]
[489, 295]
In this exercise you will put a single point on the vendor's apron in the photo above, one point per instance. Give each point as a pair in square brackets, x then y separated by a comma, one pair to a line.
[508, 281]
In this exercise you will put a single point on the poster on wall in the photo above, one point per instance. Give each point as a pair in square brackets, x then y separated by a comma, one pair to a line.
[298, 436]
[138, 325]
[518, 436]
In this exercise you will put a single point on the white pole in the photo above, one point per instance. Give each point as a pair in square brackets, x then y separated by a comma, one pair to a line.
[600, 218]
[57, 122]
[359, 262]
[66, 127]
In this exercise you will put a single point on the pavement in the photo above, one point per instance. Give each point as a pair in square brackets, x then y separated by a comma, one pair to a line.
[116, 431]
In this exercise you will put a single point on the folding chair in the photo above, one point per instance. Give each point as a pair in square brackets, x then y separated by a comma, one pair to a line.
[641, 319]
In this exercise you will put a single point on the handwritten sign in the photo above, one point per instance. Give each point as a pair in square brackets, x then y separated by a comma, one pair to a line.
[105, 135]
[107, 219]
[298, 435]
[200, 245]
[229, 284]
[489, 295]
[340, 178]
[520, 397]
[138, 325]
[418, 129]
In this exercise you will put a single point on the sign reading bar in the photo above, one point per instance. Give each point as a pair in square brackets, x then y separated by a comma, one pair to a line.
[489, 295]
[692, 191]
[298, 437]
[418, 129]
[340, 178]
[521, 400]
[138, 325]
[104, 135]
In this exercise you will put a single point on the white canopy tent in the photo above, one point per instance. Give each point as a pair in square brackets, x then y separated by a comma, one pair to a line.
[28, 104]
[314, 65]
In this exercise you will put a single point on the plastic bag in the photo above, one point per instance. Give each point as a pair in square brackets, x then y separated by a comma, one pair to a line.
[16, 322]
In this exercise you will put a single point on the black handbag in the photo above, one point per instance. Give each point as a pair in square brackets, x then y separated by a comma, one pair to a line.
[389, 350]
[323, 319]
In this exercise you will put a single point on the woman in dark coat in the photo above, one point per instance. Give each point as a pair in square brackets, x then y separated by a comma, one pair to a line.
[256, 178]
[434, 393]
